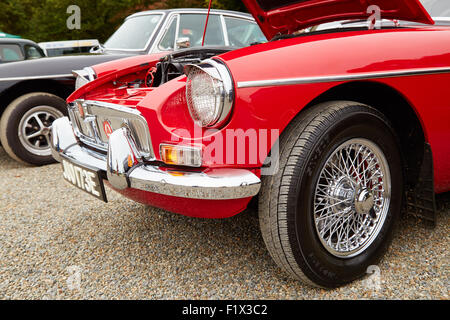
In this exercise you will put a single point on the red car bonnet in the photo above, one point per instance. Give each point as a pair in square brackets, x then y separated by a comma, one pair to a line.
[112, 70]
[288, 16]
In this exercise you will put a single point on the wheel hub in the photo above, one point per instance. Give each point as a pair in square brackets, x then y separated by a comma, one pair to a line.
[364, 202]
[342, 195]
[34, 129]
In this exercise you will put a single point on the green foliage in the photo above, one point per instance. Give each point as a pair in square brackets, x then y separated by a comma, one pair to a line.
[46, 20]
[236, 5]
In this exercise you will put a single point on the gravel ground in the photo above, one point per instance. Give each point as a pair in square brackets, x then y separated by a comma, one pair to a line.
[58, 243]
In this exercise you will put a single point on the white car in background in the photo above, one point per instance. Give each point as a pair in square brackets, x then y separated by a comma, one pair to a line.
[62, 48]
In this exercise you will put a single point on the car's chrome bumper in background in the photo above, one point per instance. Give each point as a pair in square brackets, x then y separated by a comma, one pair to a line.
[123, 169]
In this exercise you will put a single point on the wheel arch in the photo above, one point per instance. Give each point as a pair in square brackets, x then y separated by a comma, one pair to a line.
[58, 88]
[402, 115]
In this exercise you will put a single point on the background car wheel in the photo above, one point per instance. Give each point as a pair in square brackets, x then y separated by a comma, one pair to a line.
[328, 214]
[25, 126]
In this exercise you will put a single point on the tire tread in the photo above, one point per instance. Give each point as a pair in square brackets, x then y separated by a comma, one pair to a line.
[295, 144]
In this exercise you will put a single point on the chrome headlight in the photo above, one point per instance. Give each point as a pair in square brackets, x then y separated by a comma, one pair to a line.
[209, 93]
[83, 77]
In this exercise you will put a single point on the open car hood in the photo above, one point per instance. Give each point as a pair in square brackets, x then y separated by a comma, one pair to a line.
[288, 16]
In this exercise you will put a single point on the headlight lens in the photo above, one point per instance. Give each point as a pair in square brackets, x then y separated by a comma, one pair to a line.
[209, 93]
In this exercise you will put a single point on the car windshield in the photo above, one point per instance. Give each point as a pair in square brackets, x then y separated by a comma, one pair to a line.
[437, 8]
[134, 33]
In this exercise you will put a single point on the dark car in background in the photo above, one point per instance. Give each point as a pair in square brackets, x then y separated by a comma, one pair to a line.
[14, 49]
[32, 96]
[33, 93]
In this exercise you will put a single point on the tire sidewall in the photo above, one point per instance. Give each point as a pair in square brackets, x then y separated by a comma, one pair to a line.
[326, 269]
[11, 120]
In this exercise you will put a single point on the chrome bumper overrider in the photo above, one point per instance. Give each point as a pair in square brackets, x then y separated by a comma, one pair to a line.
[214, 184]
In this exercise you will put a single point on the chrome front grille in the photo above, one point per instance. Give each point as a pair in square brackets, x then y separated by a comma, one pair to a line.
[94, 121]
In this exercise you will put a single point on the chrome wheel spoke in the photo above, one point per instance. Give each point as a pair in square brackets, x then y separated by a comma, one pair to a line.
[352, 197]
[34, 128]
[47, 139]
[39, 121]
[34, 135]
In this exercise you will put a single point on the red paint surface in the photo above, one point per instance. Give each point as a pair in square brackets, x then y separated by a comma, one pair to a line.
[288, 19]
[333, 54]
[209, 209]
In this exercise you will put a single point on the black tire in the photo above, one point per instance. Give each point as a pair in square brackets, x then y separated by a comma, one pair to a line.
[286, 201]
[13, 121]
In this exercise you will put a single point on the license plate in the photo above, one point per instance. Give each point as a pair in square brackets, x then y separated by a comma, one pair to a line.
[83, 178]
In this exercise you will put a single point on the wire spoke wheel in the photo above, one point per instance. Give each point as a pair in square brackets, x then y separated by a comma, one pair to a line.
[329, 212]
[352, 198]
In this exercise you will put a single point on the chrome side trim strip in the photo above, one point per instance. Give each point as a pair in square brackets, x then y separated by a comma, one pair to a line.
[340, 78]
[69, 75]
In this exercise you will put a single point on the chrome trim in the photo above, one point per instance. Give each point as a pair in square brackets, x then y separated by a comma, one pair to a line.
[225, 30]
[438, 19]
[84, 76]
[61, 136]
[37, 77]
[215, 184]
[122, 156]
[218, 184]
[91, 74]
[177, 30]
[164, 29]
[80, 78]
[217, 70]
[109, 111]
[339, 78]
[196, 10]
[168, 20]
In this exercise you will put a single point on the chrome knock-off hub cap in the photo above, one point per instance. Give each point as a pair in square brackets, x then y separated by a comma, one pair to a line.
[352, 198]
[364, 202]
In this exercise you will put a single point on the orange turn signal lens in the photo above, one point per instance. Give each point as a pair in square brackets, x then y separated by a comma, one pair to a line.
[169, 155]
[130, 162]
[181, 155]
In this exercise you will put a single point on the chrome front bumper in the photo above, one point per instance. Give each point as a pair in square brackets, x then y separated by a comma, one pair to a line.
[124, 170]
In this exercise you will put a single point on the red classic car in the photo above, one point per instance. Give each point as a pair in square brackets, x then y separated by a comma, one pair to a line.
[334, 131]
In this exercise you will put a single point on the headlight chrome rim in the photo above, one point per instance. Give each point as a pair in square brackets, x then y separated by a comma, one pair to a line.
[224, 92]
